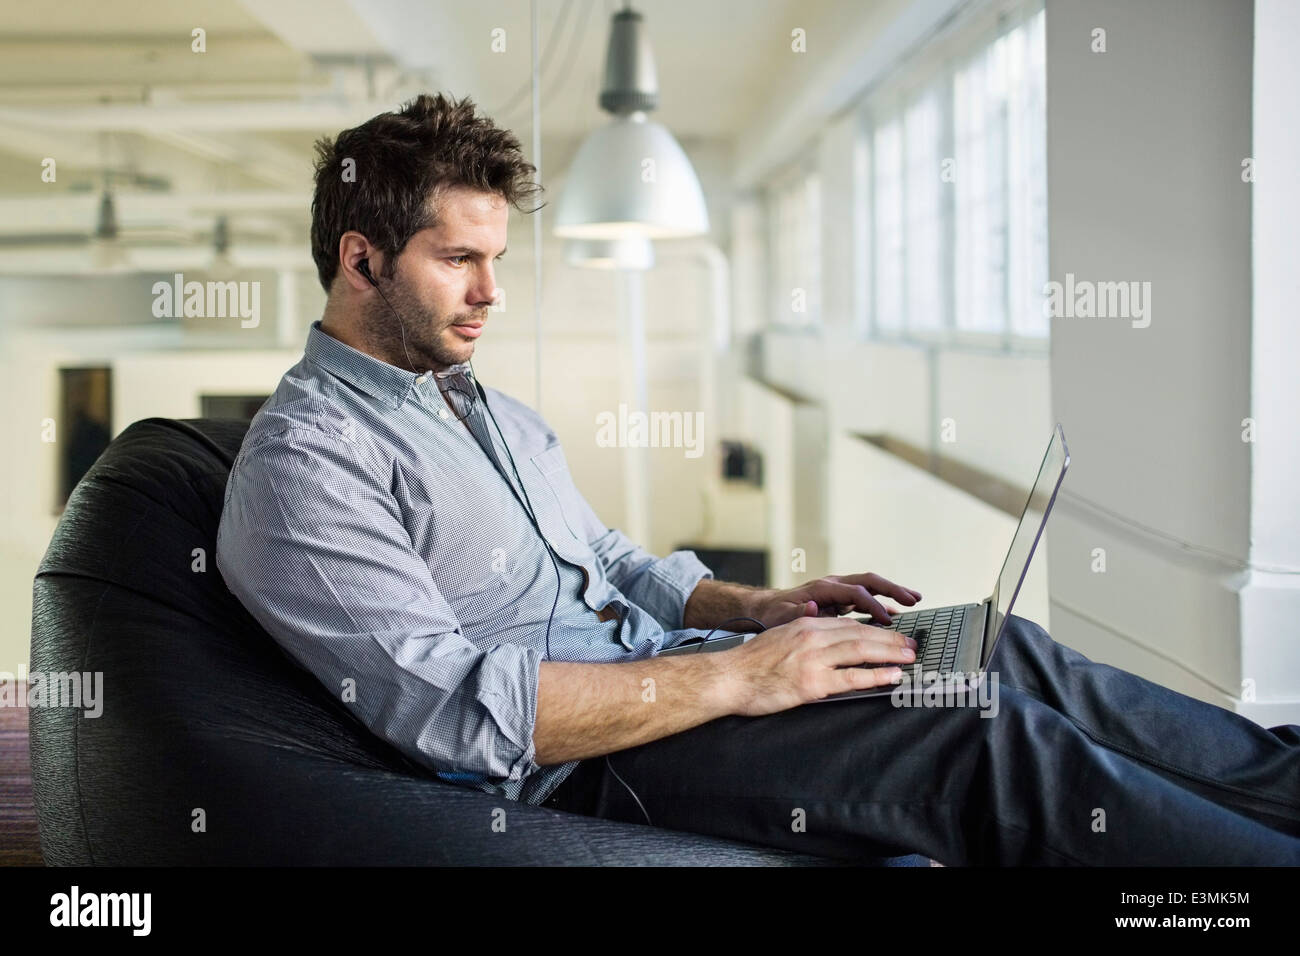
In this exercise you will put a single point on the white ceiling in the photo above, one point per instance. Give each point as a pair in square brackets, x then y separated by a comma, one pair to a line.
[116, 85]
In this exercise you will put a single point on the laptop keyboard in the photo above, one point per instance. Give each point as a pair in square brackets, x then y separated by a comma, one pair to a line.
[936, 633]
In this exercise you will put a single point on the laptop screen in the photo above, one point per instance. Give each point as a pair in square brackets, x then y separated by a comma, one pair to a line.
[1030, 529]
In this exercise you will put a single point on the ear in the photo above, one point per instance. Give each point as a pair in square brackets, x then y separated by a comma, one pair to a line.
[354, 249]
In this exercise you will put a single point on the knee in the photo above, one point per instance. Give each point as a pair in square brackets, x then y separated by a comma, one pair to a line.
[1031, 640]
[1026, 629]
[1026, 639]
[1024, 653]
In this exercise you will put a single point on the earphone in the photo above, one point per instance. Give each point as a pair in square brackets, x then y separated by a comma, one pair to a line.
[364, 268]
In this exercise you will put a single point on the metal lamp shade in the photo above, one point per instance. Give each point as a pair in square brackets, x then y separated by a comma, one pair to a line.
[631, 179]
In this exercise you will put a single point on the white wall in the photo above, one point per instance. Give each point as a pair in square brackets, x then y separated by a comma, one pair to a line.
[1145, 144]
[997, 401]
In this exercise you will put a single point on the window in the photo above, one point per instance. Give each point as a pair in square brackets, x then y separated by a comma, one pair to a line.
[794, 219]
[954, 188]
[887, 188]
[922, 199]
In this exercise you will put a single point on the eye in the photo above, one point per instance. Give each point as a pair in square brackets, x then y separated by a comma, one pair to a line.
[458, 260]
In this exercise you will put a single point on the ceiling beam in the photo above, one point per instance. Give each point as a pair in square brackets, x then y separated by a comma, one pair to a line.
[229, 115]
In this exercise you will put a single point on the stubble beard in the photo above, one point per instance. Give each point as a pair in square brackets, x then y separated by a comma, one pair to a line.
[430, 341]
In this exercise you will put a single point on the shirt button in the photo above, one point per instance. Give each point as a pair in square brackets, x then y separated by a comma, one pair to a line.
[421, 380]
[443, 414]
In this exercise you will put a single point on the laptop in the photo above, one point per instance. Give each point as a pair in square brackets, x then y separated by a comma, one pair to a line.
[956, 643]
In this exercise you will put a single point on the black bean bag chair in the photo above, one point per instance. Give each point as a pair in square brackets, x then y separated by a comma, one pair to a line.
[213, 746]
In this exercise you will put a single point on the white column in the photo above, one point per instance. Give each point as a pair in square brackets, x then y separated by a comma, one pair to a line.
[1270, 597]
[634, 394]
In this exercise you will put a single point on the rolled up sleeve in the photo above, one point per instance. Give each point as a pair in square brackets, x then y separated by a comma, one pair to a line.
[659, 586]
[311, 541]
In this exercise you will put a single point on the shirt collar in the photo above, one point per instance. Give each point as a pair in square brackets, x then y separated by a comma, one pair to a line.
[458, 376]
[387, 383]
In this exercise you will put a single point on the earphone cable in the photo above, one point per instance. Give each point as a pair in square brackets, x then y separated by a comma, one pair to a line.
[400, 324]
[532, 511]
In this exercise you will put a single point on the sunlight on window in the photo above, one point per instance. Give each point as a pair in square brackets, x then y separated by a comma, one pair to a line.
[1027, 172]
[954, 233]
[980, 226]
[923, 254]
[949, 223]
[887, 164]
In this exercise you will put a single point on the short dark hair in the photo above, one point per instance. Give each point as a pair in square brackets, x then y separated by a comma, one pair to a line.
[401, 163]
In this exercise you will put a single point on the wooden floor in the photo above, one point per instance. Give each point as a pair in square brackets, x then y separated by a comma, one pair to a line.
[20, 843]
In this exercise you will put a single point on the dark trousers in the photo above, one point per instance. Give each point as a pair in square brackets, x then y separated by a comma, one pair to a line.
[1079, 763]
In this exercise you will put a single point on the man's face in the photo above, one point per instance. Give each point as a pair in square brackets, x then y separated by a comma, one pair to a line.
[443, 284]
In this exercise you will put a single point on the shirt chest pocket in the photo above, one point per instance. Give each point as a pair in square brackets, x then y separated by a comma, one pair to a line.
[557, 503]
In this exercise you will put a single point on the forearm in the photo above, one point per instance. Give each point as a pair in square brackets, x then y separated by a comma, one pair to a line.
[589, 709]
[713, 602]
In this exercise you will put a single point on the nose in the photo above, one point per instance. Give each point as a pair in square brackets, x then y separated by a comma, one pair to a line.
[484, 289]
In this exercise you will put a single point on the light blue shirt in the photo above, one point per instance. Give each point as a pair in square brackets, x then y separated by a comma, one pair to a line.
[367, 530]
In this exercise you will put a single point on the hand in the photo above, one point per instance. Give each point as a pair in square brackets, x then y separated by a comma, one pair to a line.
[831, 596]
[807, 659]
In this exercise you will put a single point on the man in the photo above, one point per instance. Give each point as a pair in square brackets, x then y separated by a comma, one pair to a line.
[418, 544]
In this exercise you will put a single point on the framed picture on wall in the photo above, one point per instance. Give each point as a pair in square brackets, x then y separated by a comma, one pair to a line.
[85, 424]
